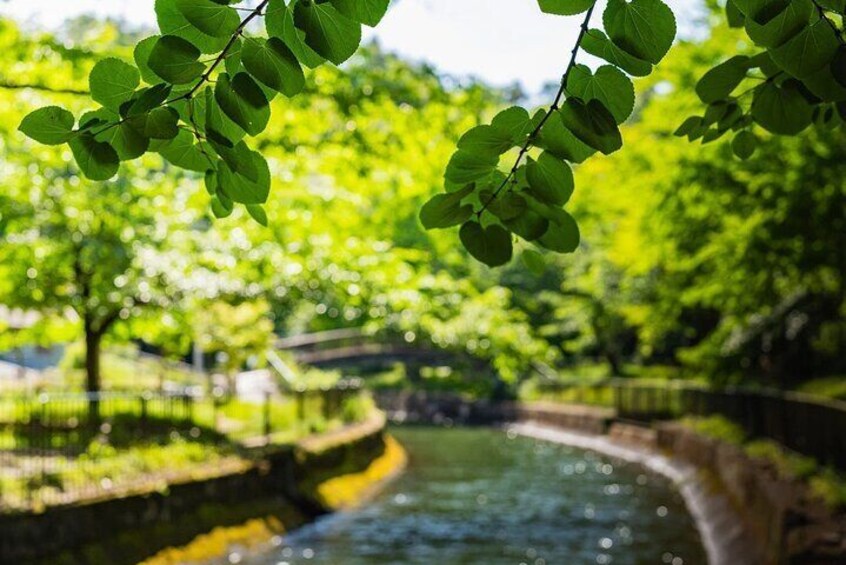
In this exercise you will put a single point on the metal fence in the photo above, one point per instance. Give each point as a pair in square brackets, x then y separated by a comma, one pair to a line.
[806, 424]
[58, 448]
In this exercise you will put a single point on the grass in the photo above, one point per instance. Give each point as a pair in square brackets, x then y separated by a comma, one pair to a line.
[829, 387]
[825, 483]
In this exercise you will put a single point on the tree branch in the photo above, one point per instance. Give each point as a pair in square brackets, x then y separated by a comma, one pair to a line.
[553, 107]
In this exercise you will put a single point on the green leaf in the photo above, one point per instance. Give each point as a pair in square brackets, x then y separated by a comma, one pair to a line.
[211, 18]
[515, 122]
[172, 22]
[184, 153]
[162, 123]
[809, 51]
[221, 206]
[491, 245]
[734, 16]
[565, 7]
[241, 189]
[51, 125]
[487, 141]
[330, 33]
[529, 224]
[145, 100]
[125, 137]
[216, 120]
[280, 24]
[744, 144]
[597, 44]
[258, 214]
[608, 84]
[175, 60]
[243, 101]
[239, 158]
[272, 63]
[561, 142]
[592, 123]
[446, 210]
[781, 108]
[719, 82]
[643, 28]
[550, 179]
[506, 206]
[113, 82]
[465, 167]
[534, 261]
[97, 160]
[689, 126]
[141, 54]
[563, 234]
[367, 12]
[772, 22]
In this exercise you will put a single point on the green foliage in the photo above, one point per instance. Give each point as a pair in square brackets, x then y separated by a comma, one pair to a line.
[527, 200]
[793, 77]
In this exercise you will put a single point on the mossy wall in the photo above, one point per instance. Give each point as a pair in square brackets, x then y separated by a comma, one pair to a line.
[280, 489]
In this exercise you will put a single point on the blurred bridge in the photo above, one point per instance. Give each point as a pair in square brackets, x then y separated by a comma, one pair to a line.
[354, 346]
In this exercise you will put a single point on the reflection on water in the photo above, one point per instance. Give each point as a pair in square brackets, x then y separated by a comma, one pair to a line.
[478, 496]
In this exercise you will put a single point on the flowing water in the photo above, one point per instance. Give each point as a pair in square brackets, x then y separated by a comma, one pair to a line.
[480, 496]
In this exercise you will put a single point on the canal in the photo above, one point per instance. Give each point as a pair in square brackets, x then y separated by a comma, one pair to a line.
[482, 496]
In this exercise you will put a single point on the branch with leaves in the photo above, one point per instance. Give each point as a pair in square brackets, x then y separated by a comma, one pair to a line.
[796, 77]
[527, 202]
[197, 90]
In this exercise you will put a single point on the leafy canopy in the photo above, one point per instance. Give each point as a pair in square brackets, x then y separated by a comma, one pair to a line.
[202, 86]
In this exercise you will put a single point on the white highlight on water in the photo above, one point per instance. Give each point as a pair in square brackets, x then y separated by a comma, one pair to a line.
[683, 475]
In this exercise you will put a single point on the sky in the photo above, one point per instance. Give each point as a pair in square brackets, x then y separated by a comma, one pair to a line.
[499, 41]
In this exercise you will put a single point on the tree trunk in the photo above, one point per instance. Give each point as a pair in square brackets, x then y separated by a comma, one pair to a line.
[93, 383]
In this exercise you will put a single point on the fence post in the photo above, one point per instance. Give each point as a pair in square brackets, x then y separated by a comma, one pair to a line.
[143, 400]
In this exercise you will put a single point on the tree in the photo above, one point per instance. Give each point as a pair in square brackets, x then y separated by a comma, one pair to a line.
[798, 75]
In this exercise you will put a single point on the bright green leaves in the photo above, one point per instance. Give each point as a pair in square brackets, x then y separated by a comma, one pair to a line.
[550, 179]
[183, 152]
[593, 124]
[113, 82]
[801, 74]
[527, 200]
[719, 82]
[782, 109]
[446, 210]
[172, 21]
[367, 12]
[329, 32]
[609, 85]
[773, 22]
[51, 125]
[491, 245]
[211, 18]
[97, 160]
[486, 141]
[565, 7]
[809, 51]
[597, 44]
[273, 64]
[279, 22]
[242, 189]
[643, 28]
[162, 123]
[174, 60]
[198, 109]
[243, 101]
[465, 167]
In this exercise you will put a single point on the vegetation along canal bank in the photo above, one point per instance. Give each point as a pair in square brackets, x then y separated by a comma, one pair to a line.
[280, 488]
